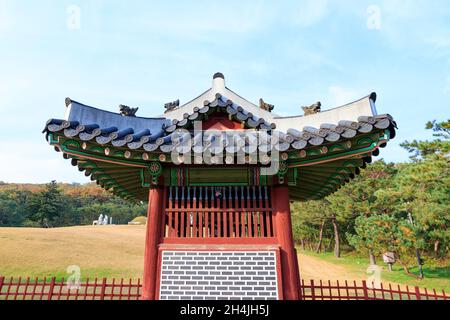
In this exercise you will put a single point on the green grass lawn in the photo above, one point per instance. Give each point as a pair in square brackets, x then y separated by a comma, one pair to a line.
[86, 273]
[436, 276]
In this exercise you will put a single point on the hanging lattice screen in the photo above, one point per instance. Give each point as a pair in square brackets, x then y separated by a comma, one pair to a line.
[214, 212]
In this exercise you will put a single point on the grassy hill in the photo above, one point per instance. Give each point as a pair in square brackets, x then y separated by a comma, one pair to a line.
[100, 251]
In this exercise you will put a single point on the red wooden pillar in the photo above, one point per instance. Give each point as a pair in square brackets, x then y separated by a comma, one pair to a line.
[152, 239]
[289, 263]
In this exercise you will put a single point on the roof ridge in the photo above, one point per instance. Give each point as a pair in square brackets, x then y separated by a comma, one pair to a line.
[372, 97]
[221, 102]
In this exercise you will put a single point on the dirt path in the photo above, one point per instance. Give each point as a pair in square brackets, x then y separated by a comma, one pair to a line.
[318, 269]
[314, 268]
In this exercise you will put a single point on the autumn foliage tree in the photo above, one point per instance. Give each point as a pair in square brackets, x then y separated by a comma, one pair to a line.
[57, 205]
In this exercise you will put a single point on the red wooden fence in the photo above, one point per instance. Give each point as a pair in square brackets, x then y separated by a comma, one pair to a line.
[34, 289]
[362, 291]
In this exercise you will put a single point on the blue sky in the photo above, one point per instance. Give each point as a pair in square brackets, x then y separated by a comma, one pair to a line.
[145, 53]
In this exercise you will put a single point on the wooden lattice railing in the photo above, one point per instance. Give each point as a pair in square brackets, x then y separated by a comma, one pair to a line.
[50, 289]
[218, 212]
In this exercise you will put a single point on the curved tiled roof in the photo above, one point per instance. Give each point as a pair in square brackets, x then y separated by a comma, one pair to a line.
[321, 151]
[161, 134]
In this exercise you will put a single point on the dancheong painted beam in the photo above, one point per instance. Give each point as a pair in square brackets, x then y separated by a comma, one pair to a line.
[219, 173]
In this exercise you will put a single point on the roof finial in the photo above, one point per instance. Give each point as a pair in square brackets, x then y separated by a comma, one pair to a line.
[265, 106]
[127, 111]
[218, 83]
[312, 109]
[218, 75]
[170, 106]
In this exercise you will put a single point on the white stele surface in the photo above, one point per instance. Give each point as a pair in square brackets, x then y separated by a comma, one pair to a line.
[218, 275]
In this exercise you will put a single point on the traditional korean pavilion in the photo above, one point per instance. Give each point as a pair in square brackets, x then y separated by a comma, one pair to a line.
[219, 173]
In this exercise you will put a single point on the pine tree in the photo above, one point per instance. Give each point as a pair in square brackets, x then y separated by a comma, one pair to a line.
[47, 206]
[439, 147]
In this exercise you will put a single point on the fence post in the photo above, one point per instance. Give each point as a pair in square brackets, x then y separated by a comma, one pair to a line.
[50, 290]
[417, 293]
[366, 294]
[102, 293]
[313, 291]
[2, 280]
[301, 291]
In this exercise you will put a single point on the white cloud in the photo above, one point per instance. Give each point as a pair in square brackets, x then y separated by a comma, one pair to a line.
[6, 17]
[311, 12]
[447, 85]
[405, 9]
[415, 24]
[341, 96]
[34, 162]
[208, 20]
[438, 41]
[259, 68]
[13, 86]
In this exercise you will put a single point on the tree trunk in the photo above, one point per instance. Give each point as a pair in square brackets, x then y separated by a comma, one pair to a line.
[319, 245]
[436, 247]
[372, 259]
[337, 247]
[302, 243]
[419, 264]
[419, 259]
[406, 269]
[329, 244]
